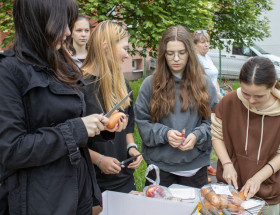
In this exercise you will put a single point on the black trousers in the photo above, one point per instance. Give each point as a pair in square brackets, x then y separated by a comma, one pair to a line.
[84, 189]
[4, 208]
[166, 178]
[129, 186]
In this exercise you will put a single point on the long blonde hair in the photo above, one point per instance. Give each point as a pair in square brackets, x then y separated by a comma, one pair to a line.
[102, 61]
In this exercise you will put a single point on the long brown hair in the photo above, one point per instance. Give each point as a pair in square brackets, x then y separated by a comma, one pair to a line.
[69, 40]
[104, 63]
[193, 87]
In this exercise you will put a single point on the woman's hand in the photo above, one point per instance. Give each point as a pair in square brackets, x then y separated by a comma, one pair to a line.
[175, 138]
[230, 175]
[108, 165]
[95, 123]
[188, 143]
[251, 187]
[121, 125]
[135, 164]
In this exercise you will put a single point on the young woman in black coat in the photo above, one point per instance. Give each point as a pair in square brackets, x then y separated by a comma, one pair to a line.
[45, 165]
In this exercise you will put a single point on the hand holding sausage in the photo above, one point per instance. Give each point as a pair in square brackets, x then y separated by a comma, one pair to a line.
[94, 123]
[188, 143]
[174, 138]
[117, 122]
[251, 187]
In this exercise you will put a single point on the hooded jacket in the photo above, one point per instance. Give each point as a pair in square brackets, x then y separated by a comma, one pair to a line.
[251, 138]
[42, 139]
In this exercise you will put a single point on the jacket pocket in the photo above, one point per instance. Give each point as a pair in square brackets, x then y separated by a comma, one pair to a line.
[14, 201]
[53, 189]
[14, 194]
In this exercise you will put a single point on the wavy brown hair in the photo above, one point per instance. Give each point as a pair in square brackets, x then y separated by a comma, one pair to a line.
[104, 63]
[193, 90]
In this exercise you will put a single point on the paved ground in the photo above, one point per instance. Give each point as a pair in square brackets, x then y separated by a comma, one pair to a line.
[214, 165]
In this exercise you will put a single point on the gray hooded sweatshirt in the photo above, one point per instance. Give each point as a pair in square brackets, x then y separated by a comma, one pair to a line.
[155, 145]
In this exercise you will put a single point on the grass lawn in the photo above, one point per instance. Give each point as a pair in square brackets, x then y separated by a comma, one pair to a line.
[139, 174]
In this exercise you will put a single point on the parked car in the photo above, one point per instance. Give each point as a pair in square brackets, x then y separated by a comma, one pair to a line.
[235, 56]
[153, 64]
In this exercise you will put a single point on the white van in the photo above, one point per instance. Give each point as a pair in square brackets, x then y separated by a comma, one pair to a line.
[233, 58]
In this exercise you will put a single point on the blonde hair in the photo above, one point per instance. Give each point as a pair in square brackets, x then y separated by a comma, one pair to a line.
[103, 61]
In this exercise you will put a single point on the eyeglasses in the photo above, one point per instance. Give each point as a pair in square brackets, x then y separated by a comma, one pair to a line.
[199, 32]
[171, 55]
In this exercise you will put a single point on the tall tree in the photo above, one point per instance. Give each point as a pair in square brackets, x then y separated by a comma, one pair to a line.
[147, 19]
[6, 22]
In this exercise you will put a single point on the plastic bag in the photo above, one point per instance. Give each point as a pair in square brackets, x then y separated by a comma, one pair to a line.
[221, 196]
[155, 190]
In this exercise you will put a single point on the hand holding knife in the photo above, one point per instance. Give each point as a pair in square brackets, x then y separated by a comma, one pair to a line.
[129, 159]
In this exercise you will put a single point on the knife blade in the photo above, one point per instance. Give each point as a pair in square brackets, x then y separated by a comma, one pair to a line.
[117, 105]
[129, 159]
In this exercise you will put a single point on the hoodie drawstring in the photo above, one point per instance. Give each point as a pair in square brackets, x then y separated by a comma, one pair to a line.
[259, 152]
[247, 131]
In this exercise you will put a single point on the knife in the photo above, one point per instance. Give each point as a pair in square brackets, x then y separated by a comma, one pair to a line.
[129, 159]
[118, 105]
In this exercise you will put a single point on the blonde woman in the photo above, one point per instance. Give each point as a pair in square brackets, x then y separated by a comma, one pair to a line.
[107, 49]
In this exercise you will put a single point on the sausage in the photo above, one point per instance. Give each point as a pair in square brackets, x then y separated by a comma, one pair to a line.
[234, 208]
[114, 119]
[206, 204]
[204, 191]
[214, 199]
[235, 199]
[224, 201]
[241, 195]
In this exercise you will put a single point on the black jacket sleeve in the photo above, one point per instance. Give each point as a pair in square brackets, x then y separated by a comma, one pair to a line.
[18, 147]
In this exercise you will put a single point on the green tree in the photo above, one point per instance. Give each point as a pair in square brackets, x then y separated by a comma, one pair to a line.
[6, 22]
[242, 20]
[147, 19]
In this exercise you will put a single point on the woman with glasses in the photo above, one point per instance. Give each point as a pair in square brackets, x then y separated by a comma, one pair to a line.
[172, 112]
